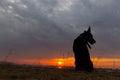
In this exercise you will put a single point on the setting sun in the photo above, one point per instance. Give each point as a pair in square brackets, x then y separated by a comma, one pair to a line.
[60, 62]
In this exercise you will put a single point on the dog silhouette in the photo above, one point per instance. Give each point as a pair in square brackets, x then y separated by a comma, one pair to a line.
[81, 52]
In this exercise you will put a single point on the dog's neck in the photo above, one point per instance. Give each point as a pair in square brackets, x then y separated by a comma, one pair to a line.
[87, 43]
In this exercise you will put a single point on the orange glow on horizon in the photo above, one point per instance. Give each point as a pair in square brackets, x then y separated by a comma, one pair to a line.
[60, 62]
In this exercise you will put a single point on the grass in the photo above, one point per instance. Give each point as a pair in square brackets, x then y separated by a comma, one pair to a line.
[25, 72]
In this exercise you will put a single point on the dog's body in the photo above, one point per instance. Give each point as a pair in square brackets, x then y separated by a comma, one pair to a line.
[80, 49]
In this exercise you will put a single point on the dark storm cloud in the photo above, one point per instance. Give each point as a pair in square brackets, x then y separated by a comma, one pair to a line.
[53, 24]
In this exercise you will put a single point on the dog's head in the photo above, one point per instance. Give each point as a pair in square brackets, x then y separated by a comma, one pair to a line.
[88, 36]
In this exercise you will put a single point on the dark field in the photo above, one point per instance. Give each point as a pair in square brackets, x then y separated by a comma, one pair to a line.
[25, 72]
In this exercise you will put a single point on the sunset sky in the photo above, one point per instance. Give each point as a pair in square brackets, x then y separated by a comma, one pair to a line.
[45, 29]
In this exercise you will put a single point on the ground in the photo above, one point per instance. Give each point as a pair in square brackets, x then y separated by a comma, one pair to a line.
[27, 72]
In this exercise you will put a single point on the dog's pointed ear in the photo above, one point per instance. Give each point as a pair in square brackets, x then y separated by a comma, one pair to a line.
[89, 29]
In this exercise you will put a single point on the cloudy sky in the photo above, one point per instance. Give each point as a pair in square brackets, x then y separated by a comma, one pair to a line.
[46, 28]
